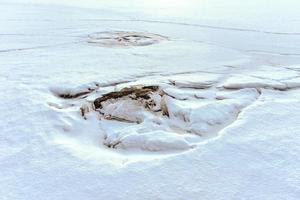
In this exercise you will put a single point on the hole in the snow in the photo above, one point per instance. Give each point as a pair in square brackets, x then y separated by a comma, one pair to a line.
[124, 39]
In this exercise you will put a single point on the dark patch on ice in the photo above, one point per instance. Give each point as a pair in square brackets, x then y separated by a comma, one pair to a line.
[133, 92]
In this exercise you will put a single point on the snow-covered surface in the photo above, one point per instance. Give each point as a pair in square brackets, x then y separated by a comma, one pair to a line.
[230, 75]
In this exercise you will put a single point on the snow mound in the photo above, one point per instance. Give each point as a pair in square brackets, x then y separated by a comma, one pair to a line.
[243, 81]
[162, 117]
[74, 92]
[204, 118]
[124, 110]
[188, 94]
[278, 73]
[124, 39]
[199, 81]
[157, 140]
[174, 117]
[245, 94]
[293, 82]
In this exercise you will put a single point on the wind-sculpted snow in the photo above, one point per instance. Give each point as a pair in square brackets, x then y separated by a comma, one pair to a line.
[243, 81]
[280, 80]
[164, 114]
[139, 138]
[178, 113]
[165, 117]
[193, 81]
[149, 99]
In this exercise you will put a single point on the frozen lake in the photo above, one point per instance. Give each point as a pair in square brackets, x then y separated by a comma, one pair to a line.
[220, 120]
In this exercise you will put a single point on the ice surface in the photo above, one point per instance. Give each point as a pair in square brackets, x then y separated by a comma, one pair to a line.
[230, 70]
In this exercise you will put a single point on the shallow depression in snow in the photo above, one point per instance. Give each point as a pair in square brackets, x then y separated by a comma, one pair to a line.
[124, 39]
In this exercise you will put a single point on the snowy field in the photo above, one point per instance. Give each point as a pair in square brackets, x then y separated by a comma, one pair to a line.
[158, 99]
